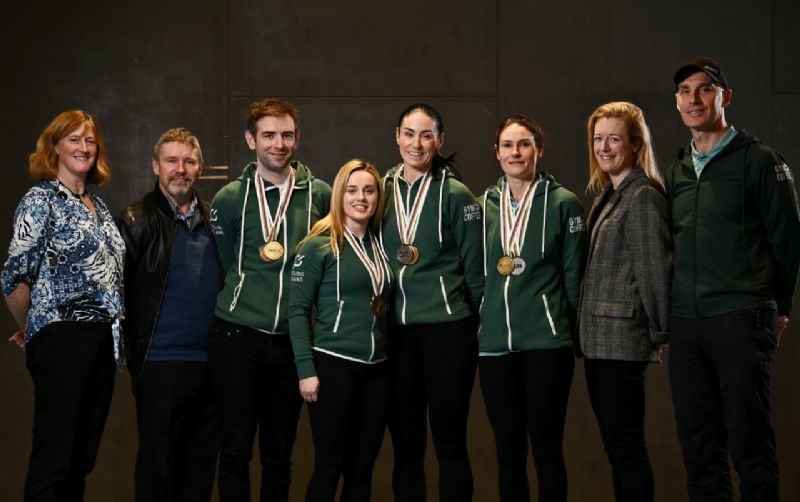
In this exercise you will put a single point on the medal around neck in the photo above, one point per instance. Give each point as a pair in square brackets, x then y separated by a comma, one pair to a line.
[519, 266]
[407, 254]
[513, 227]
[379, 305]
[271, 251]
[505, 265]
[408, 219]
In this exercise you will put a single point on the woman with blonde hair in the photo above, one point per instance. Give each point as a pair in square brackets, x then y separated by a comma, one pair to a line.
[62, 282]
[341, 269]
[624, 306]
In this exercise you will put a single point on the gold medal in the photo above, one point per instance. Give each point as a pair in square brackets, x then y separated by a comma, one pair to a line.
[378, 305]
[505, 265]
[271, 251]
[407, 254]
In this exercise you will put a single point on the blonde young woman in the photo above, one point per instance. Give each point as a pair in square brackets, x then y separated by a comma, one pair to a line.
[341, 269]
[624, 305]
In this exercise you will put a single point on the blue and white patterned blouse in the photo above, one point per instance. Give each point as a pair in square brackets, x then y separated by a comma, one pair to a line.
[72, 261]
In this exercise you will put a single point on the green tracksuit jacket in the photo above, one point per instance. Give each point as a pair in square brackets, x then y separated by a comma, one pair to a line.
[536, 309]
[736, 231]
[341, 290]
[255, 293]
[446, 283]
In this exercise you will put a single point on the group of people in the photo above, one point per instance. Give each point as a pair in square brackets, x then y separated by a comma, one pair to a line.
[375, 301]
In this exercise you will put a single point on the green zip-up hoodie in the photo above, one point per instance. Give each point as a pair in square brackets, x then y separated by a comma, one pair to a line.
[255, 293]
[537, 308]
[446, 283]
[341, 289]
[736, 229]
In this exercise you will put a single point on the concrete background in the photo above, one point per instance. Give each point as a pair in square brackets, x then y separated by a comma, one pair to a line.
[351, 66]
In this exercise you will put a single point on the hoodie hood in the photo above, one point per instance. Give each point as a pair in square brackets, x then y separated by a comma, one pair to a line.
[743, 139]
[543, 177]
[303, 176]
[437, 172]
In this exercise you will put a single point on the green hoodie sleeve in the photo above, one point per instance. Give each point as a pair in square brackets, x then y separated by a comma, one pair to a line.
[466, 219]
[304, 282]
[225, 221]
[574, 251]
[777, 202]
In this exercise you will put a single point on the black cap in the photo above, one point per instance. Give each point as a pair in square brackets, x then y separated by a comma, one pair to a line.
[708, 66]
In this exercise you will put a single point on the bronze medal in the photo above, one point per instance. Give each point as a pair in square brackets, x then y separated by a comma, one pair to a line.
[378, 305]
[271, 251]
[407, 254]
[505, 265]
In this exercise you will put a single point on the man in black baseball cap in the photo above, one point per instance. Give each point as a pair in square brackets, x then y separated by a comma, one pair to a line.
[736, 230]
[706, 65]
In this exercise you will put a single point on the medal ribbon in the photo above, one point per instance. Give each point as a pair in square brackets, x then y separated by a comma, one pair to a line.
[407, 222]
[374, 269]
[270, 225]
[514, 224]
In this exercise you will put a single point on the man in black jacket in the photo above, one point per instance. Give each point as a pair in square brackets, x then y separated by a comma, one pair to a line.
[172, 276]
[736, 230]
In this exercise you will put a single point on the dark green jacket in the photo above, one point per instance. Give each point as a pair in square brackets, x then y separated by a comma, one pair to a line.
[255, 293]
[341, 290]
[536, 309]
[736, 231]
[446, 283]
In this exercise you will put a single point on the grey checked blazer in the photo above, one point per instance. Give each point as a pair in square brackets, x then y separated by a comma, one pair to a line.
[624, 308]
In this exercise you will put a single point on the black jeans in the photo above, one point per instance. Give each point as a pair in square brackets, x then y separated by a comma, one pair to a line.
[616, 390]
[73, 371]
[433, 370]
[719, 369]
[178, 432]
[255, 382]
[526, 395]
[347, 424]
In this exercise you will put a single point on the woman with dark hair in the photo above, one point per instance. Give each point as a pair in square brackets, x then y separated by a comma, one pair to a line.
[535, 247]
[341, 269]
[62, 282]
[432, 234]
[624, 307]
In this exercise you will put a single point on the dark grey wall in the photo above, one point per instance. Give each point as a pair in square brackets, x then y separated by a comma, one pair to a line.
[351, 66]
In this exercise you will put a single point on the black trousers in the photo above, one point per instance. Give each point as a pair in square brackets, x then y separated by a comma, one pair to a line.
[526, 395]
[719, 369]
[255, 383]
[433, 371]
[73, 370]
[347, 424]
[178, 432]
[616, 390]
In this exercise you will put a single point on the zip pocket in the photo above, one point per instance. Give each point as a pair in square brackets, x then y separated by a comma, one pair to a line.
[444, 296]
[338, 316]
[549, 317]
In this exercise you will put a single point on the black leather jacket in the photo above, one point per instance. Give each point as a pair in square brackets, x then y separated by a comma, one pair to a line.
[148, 227]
